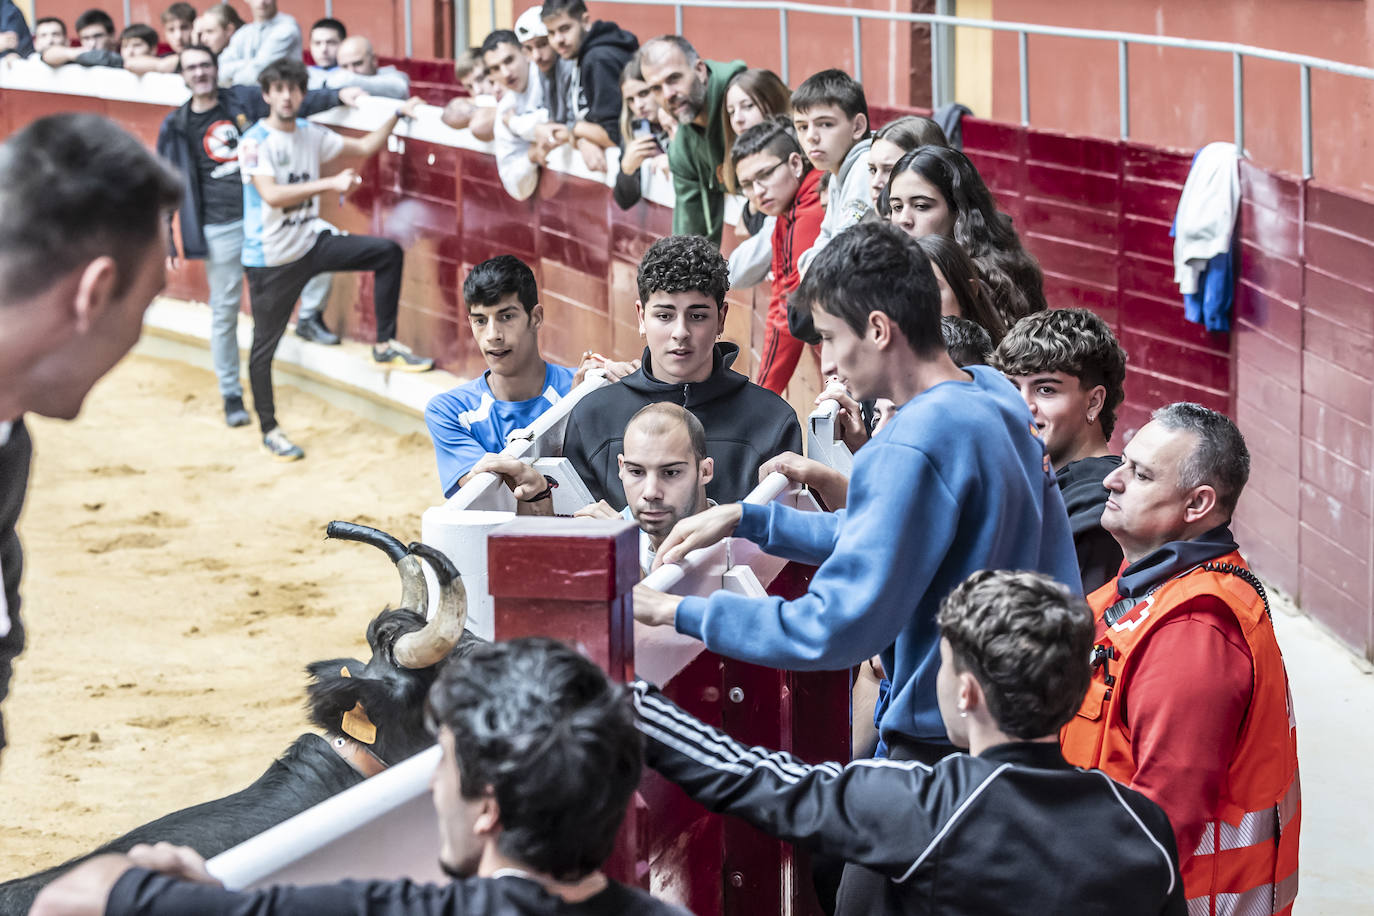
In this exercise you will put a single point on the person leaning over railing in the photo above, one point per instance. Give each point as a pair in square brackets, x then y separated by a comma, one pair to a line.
[519, 112]
[96, 32]
[830, 113]
[958, 481]
[692, 91]
[645, 132]
[751, 97]
[1008, 828]
[600, 50]
[473, 420]
[271, 36]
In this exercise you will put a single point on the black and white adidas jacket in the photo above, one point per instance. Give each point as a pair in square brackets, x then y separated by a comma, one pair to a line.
[1013, 830]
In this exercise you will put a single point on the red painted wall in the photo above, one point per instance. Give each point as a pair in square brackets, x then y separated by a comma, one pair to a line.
[1183, 98]
[1297, 372]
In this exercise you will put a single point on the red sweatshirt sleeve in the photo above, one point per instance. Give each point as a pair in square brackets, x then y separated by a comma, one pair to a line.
[1188, 697]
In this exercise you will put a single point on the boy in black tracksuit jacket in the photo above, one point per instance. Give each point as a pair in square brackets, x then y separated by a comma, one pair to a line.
[1011, 828]
[745, 426]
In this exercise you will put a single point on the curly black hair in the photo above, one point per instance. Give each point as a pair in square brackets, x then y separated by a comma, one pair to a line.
[684, 263]
[1075, 342]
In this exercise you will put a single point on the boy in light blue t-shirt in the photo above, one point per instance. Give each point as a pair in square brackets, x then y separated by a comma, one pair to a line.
[474, 419]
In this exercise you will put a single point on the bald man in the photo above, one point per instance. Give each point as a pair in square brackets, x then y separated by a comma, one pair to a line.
[357, 66]
[663, 467]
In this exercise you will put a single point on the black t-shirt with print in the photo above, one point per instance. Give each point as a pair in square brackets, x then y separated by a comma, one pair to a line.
[215, 139]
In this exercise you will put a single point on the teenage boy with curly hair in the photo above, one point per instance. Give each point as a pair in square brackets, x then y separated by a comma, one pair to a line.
[1072, 373]
[681, 311]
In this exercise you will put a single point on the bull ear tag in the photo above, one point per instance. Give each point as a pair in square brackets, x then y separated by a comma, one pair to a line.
[358, 726]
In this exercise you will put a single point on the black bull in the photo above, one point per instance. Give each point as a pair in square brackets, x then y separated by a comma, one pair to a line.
[372, 713]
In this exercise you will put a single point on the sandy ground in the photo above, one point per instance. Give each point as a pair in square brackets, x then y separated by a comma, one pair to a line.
[177, 583]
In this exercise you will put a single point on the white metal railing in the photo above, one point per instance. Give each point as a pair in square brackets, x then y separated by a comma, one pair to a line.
[942, 90]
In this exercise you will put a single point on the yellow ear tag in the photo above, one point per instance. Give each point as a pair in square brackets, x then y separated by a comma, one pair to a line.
[358, 726]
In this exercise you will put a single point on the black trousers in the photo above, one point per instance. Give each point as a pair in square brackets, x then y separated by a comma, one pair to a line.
[273, 291]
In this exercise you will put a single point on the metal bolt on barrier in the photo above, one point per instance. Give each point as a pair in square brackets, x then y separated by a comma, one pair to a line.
[736, 695]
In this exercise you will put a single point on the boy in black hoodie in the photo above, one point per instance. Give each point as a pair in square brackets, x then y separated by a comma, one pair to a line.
[681, 311]
[1072, 372]
[600, 49]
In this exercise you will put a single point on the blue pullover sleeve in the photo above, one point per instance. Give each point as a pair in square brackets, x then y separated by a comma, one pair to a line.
[807, 537]
[902, 519]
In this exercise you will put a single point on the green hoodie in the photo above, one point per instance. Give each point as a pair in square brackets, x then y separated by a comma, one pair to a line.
[694, 156]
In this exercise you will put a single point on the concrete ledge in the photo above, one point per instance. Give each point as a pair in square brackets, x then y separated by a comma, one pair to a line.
[347, 368]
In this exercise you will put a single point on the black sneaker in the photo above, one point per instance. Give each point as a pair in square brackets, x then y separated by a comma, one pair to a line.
[281, 448]
[313, 329]
[234, 413]
[398, 356]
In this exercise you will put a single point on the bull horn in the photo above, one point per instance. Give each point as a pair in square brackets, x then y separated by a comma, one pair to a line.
[414, 591]
[428, 646]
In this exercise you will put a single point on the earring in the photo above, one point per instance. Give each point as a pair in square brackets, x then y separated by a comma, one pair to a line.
[963, 713]
[1091, 417]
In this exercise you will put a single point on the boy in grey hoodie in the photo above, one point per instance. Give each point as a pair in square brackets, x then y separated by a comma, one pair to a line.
[831, 117]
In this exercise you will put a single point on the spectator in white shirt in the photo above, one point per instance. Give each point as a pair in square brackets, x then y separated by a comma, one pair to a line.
[520, 111]
[271, 36]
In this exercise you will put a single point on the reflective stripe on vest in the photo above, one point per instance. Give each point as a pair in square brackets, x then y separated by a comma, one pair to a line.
[1258, 901]
[1255, 827]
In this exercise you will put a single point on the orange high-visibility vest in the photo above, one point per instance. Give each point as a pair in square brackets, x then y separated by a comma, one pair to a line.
[1247, 859]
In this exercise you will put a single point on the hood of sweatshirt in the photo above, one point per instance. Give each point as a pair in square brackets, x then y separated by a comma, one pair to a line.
[723, 380]
[856, 152]
[607, 35]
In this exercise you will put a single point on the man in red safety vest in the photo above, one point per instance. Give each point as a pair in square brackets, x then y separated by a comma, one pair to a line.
[1189, 702]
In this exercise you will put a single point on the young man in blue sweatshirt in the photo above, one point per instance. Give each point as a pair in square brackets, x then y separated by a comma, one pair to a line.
[959, 480]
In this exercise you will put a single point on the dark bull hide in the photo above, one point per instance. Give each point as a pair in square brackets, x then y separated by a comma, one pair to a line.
[377, 709]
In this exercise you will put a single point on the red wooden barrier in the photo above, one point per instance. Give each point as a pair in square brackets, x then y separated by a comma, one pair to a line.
[571, 579]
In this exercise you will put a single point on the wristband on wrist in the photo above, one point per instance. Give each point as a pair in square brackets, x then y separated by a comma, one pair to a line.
[547, 492]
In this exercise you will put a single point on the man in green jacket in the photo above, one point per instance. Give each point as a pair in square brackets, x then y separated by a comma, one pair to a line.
[693, 91]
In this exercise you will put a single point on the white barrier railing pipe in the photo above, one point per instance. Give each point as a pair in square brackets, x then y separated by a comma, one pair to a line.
[940, 23]
[274, 851]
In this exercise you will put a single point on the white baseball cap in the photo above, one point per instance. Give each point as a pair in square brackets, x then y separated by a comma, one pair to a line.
[529, 25]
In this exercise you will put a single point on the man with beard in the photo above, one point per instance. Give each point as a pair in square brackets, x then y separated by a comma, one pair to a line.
[693, 91]
[540, 757]
[201, 139]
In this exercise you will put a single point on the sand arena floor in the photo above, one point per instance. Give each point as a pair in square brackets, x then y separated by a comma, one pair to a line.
[177, 582]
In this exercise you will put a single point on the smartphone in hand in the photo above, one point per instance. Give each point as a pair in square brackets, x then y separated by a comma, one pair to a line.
[641, 128]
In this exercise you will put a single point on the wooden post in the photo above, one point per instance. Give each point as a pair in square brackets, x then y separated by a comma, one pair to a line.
[570, 579]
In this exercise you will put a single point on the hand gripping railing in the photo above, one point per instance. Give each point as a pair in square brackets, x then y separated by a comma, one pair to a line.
[942, 91]
[823, 443]
[460, 526]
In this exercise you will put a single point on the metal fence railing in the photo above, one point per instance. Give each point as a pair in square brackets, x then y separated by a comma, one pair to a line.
[942, 88]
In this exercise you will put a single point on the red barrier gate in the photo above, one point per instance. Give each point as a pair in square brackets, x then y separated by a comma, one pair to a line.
[571, 579]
